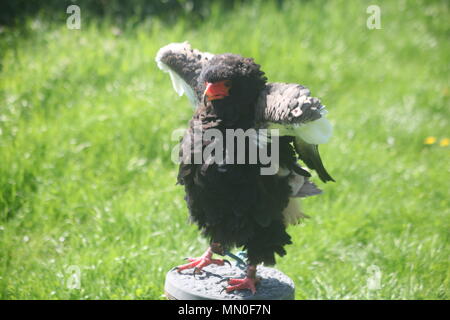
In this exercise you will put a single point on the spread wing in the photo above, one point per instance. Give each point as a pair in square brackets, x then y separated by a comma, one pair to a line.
[291, 109]
[184, 65]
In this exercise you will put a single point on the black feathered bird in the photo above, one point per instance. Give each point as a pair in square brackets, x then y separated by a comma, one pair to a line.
[234, 204]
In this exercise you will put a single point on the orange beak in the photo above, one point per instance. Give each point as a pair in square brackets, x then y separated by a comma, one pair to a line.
[216, 90]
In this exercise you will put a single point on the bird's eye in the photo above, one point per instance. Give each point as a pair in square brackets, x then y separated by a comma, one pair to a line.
[227, 83]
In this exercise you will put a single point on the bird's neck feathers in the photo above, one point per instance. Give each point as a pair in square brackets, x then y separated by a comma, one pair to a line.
[224, 115]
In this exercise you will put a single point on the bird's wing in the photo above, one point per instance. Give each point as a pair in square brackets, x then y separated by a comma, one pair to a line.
[291, 109]
[184, 65]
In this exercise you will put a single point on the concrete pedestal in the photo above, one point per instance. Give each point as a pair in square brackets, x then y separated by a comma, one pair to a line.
[274, 285]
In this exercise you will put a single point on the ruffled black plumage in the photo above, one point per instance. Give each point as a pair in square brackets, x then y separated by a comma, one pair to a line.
[234, 204]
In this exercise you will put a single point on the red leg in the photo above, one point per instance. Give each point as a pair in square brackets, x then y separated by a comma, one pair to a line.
[249, 282]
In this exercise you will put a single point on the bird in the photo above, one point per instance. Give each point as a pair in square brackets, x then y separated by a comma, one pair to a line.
[232, 203]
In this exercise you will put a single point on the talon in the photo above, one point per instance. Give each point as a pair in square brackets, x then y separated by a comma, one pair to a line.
[199, 263]
[227, 262]
[222, 280]
[196, 271]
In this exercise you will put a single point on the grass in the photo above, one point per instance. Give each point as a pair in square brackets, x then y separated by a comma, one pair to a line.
[85, 139]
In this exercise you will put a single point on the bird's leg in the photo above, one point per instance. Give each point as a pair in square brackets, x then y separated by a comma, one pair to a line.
[206, 259]
[249, 282]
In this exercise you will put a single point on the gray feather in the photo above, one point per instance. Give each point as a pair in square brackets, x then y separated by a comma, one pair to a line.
[308, 189]
[286, 103]
[186, 62]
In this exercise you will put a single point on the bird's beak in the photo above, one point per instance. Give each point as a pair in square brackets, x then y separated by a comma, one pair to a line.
[215, 90]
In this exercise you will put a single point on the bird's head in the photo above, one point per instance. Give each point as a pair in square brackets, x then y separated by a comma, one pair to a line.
[231, 84]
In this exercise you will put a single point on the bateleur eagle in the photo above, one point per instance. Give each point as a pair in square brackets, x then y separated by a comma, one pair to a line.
[233, 204]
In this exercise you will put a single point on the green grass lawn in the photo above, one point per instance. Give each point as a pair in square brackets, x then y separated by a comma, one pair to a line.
[86, 178]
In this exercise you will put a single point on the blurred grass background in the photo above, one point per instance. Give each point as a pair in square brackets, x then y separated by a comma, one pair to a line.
[85, 140]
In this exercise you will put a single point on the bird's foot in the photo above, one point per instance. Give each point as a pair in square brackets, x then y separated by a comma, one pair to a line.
[199, 263]
[241, 284]
[249, 282]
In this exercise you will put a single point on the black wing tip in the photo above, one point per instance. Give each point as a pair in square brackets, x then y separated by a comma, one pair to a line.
[328, 179]
[325, 176]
